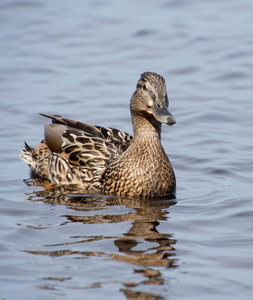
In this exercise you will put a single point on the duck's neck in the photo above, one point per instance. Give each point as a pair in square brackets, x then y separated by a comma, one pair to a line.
[146, 128]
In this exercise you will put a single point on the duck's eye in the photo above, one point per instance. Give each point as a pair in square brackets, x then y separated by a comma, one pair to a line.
[144, 87]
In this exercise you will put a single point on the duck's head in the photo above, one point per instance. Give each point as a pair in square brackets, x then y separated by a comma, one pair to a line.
[150, 99]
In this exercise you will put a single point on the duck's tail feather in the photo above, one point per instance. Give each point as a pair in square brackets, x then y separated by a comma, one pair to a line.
[26, 155]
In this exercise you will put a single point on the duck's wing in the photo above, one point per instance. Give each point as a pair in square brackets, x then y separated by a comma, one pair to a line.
[85, 145]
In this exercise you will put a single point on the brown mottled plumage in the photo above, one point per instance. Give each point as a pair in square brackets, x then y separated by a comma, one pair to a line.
[106, 159]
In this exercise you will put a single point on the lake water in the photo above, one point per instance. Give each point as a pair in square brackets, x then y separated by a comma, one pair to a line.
[82, 59]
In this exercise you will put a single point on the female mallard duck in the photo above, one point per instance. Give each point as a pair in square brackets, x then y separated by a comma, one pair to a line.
[108, 160]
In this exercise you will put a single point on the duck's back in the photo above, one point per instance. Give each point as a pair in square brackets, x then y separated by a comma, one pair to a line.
[75, 153]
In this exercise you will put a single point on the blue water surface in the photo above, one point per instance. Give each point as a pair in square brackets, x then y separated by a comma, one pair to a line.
[82, 60]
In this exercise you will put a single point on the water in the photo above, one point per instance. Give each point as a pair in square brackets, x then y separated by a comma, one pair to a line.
[82, 60]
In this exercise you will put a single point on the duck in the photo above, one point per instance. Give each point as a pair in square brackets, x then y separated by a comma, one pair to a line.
[107, 160]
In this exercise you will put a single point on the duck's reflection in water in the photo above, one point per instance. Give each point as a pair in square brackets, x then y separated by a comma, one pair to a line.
[142, 245]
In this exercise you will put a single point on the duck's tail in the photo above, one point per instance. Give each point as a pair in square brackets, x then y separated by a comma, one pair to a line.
[26, 155]
[37, 158]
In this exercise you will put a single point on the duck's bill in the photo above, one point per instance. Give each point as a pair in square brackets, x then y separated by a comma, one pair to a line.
[162, 115]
